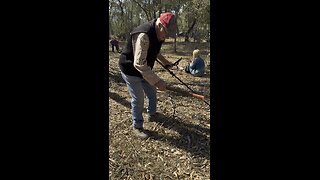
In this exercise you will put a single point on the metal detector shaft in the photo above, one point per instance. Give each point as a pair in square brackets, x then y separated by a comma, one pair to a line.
[173, 64]
[194, 93]
[177, 62]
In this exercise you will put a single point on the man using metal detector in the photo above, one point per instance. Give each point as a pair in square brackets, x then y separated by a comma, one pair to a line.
[136, 62]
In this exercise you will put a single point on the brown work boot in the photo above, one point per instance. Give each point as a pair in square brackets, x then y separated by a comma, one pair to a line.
[139, 132]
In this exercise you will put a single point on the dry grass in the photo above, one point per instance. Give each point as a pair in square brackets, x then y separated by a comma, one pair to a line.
[179, 145]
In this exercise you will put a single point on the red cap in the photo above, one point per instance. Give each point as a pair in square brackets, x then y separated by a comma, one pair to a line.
[168, 20]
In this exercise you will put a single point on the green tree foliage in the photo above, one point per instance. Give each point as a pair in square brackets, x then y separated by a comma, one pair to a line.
[193, 15]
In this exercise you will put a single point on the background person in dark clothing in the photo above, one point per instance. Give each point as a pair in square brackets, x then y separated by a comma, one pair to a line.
[114, 44]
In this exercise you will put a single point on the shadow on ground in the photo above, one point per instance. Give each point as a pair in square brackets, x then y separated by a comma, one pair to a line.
[119, 99]
[193, 138]
[116, 78]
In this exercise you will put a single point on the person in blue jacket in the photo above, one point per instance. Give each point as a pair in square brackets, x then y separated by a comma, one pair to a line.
[197, 65]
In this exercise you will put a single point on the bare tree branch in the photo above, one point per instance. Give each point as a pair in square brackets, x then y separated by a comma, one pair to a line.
[121, 8]
[144, 9]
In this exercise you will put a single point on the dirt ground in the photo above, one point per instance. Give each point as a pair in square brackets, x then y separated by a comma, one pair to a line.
[179, 142]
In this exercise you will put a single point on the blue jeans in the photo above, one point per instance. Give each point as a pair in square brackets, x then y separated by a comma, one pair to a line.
[194, 72]
[138, 87]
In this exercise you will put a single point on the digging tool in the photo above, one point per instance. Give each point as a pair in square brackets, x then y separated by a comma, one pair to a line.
[194, 94]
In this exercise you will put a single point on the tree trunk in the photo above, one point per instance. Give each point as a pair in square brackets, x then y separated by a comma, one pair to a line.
[175, 39]
[189, 30]
[160, 8]
[175, 44]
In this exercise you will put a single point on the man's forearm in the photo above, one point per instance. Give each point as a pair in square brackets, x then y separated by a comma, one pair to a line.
[163, 60]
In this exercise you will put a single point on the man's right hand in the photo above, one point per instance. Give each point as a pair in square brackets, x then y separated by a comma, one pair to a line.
[161, 85]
